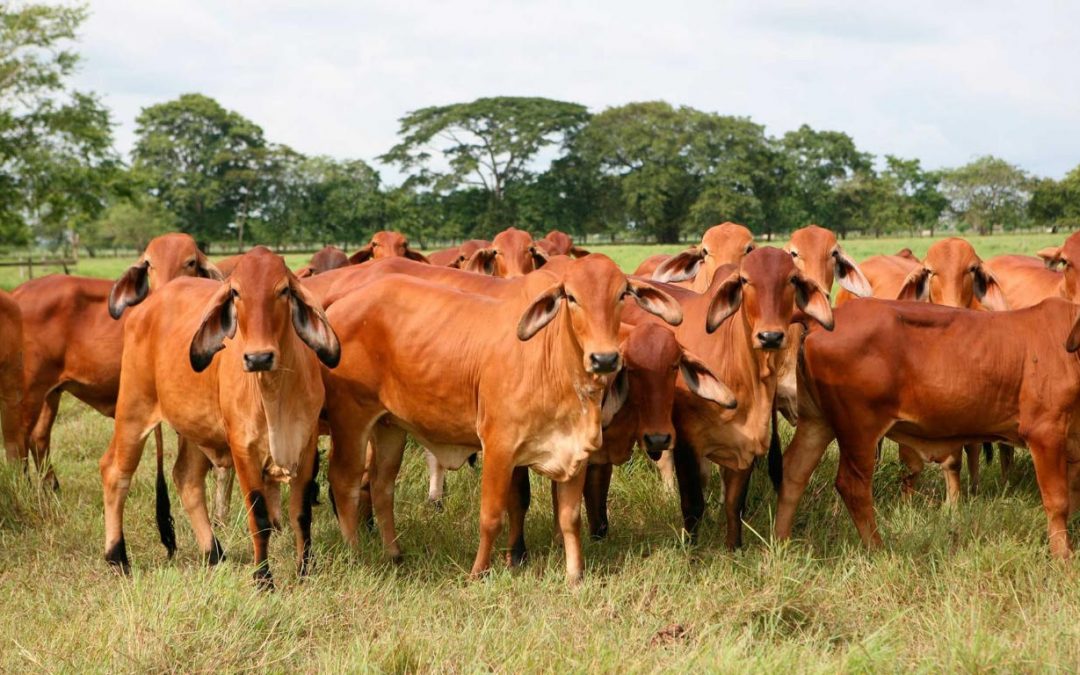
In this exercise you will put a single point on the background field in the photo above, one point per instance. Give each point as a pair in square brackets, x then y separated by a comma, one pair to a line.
[968, 588]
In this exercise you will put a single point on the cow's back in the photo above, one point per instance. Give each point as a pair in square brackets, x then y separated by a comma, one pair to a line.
[1025, 279]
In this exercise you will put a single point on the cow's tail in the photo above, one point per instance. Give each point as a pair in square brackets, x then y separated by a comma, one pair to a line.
[776, 454]
[163, 511]
[988, 452]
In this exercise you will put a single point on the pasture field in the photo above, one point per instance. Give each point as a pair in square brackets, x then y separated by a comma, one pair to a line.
[965, 588]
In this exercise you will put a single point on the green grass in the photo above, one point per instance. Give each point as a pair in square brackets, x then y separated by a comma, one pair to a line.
[969, 588]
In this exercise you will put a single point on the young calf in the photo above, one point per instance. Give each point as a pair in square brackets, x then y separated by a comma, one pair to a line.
[934, 378]
[256, 405]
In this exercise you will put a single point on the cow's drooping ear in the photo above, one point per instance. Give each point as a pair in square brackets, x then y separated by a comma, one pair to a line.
[1072, 343]
[578, 252]
[682, 267]
[309, 321]
[206, 269]
[459, 262]
[701, 381]
[539, 256]
[1051, 256]
[416, 255]
[218, 323]
[363, 255]
[655, 301]
[615, 395]
[130, 289]
[987, 289]
[812, 300]
[305, 272]
[725, 302]
[482, 262]
[540, 312]
[849, 276]
[916, 286]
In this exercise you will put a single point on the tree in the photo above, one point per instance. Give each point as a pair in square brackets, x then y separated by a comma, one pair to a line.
[920, 202]
[490, 144]
[1056, 203]
[201, 161]
[56, 157]
[819, 161]
[987, 193]
[129, 223]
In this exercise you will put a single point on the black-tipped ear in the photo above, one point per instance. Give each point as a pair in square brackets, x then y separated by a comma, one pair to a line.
[578, 252]
[481, 262]
[363, 255]
[615, 396]
[655, 301]
[540, 312]
[416, 255]
[812, 300]
[130, 289]
[207, 269]
[701, 381]
[682, 267]
[988, 291]
[311, 325]
[539, 256]
[916, 286]
[218, 323]
[726, 302]
[849, 276]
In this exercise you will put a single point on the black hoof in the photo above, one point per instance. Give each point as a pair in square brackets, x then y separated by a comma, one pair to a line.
[436, 504]
[398, 560]
[369, 522]
[216, 554]
[117, 557]
[518, 553]
[264, 581]
[600, 533]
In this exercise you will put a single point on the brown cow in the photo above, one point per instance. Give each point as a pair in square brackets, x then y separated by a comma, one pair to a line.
[1028, 280]
[559, 243]
[745, 314]
[457, 256]
[72, 344]
[933, 378]
[255, 406]
[458, 398]
[721, 244]
[951, 274]
[324, 260]
[11, 377]
[386, 244]
[512, 253]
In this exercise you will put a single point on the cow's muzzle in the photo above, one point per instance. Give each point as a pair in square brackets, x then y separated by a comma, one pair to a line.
[771, 339]
[603, 363]
[255, 362]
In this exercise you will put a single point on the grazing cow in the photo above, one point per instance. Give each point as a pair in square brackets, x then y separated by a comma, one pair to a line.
[457, 256]
[1028, 280]
[933, 378]
[324, 260]
[71, 343]
[255, 406]
[559, 243]
[417, 358]
[386, 244]
[512, 253]
[11, 377]
[722, 244]
[951, 274]
[745, 314]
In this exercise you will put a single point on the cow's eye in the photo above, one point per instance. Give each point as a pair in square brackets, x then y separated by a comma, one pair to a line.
[284, 292]
[234, 293]
[191, 263]
[794, 254]
[749, 247]
[571, 299]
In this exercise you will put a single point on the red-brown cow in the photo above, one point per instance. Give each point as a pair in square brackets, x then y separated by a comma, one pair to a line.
[457, 256]
[11, 377]
[324, 260]
[933, 378]
[387, 244]
[512, 253]
[722, 244]
[1028, 280]
[255, 406]
[458, 398]
[70, 342]
[560, 243]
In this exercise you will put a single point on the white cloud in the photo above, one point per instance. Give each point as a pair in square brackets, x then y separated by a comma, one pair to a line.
[940, 81]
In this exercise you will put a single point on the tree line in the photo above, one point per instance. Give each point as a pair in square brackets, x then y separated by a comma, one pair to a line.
[643, 171]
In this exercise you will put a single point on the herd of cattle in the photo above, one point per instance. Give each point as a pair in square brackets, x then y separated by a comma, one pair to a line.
[544, 356]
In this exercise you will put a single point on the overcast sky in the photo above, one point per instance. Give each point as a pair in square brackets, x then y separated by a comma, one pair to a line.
[943, 81]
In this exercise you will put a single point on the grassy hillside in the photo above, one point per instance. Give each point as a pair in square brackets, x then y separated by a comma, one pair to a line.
[967, 588]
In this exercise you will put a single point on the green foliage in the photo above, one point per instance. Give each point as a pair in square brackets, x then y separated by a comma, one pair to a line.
[126, 223]
[987, 194]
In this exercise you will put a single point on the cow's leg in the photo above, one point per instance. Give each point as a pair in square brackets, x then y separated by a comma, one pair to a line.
[1073, 475]
[41, 438]
[666, 466]
[951, 467]
[250, 476]
[272, 492]
[517, 507]
[11, 392]
[117, 466]
[302, 493]
[973, 460]
[1006, 454]
[1051, 472]
[495, 480]
[569, 495]
[189, 474]
[347, 471]
[597, 485]
[436, 479]
[854, 482]
[691, 492]
[802, 456]
[915, 464]
[735, 484]
[389, 443]
[223, 482]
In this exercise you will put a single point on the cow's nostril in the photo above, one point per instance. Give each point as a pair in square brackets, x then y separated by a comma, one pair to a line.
[771, 339]
[258, 361]
[657, 443]
[604, 363]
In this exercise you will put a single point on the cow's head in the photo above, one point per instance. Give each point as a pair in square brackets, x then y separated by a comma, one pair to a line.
[329, 258]
[723, 244]
[768, 287]
[165, 258]
[652, 360]
[260, 304]
[818, 256]
[952, 274]
[1065, 258]
[466, 251]
[512, 253]
[593, 289]
[559, 243]
[386, 244]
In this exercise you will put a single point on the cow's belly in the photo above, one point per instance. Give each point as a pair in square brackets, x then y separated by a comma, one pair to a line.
[936, 442]
[558, 454]
[450, 456]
